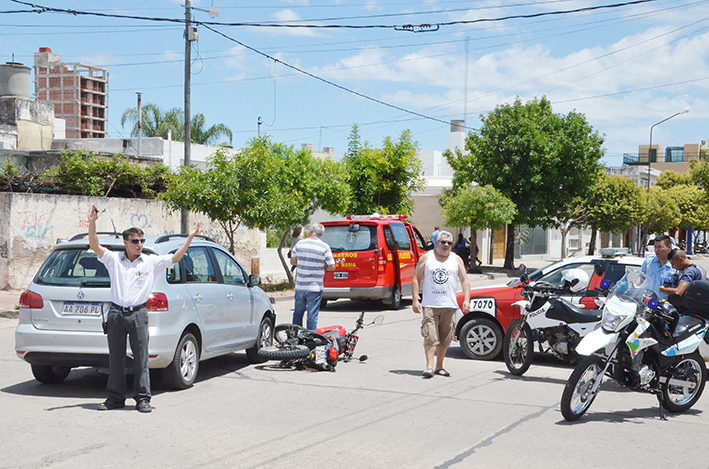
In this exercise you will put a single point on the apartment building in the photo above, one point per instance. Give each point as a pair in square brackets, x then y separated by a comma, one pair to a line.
[79, 93]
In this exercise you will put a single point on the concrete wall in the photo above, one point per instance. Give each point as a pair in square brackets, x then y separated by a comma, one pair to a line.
[31, 224]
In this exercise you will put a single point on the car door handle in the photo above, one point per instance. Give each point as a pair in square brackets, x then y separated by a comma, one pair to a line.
[230, 296]
[198, 298]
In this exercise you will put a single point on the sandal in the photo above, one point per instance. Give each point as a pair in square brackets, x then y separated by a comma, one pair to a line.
[442, 372]
[428, 374]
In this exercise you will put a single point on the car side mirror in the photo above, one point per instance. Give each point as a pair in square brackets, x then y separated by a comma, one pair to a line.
[254, 280]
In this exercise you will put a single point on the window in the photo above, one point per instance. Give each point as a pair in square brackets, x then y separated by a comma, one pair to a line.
[555, 277]
[419, 239]
[198, 266]
[73, 267]
[231, 272]
[401, 237]
[340, 238]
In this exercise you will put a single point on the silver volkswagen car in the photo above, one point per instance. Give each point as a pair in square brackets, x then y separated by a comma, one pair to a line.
[202, 307]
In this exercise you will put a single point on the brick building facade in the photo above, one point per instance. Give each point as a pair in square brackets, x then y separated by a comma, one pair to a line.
[79, 93]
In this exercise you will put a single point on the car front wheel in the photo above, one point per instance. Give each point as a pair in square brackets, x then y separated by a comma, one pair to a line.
[481, 339]
[264, 339]
[181, 373]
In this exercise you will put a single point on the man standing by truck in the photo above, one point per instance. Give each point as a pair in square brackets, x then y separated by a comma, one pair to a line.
[436, 276]
[312, 256]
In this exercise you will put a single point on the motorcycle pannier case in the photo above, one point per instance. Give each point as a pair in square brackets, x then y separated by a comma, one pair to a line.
[697, 296]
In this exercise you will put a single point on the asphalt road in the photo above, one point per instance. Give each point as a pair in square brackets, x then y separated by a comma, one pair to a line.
[374, 414]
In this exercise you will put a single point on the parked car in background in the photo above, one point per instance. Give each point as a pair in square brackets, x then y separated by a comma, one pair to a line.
[202, 307]
[375, 258]
[481, 331]
[650, 246]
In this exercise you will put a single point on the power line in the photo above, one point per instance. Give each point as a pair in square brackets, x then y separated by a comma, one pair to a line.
[404, 27]
[331, 83]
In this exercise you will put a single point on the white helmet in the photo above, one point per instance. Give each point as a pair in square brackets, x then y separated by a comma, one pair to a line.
[575, 280]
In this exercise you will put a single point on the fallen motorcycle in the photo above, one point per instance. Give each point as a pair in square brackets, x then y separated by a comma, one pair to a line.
[644, 345]
[321, 349]
[553, 322]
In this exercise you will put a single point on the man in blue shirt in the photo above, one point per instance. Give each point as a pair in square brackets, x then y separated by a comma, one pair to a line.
[658, 269]
[687, 273]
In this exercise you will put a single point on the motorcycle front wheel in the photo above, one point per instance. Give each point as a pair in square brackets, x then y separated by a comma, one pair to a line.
[577, 396]
[685, 383]
[518, 347]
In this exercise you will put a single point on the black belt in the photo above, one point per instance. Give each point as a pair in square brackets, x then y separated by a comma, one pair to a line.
[128, 309]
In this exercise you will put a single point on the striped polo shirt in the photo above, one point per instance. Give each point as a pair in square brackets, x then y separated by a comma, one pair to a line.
[313, 255]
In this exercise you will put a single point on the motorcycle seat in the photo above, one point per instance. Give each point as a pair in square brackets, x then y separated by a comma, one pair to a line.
[569, 313]
[685, 324]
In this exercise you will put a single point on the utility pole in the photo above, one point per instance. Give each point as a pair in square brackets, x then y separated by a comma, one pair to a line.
[140, 122]
[189, 37]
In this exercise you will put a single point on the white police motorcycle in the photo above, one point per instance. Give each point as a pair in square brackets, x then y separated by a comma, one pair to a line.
[556, 324]
[644, 345]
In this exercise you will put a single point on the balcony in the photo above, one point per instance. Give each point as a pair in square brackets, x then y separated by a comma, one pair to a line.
[634, 159]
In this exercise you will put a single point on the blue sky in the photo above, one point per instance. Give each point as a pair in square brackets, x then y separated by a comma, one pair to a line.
[625, 68]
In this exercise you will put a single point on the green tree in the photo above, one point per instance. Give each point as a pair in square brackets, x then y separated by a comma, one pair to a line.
[669, 179]
[383, 180]
[690, 200]
[265, 186]
[699, 173]
[539, 160]
[661, 211]
[615, 204]
[87, 173]
[157, 123]
[478, 207]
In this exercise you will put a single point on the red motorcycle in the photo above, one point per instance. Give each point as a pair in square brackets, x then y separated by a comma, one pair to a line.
[296, 346]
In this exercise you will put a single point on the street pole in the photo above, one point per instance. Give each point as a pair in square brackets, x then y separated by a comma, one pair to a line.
[140, 122]
[649, 164]
[649, 150]
[185, 223]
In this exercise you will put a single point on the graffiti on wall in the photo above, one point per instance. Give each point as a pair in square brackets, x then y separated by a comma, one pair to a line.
[140, 220]
[37, 225]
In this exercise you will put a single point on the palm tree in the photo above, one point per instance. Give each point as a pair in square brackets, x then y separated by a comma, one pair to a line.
[210, 136]
[156, 123]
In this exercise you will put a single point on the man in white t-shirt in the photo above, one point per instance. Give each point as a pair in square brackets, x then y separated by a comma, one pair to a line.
[439, 270]
[132, 276]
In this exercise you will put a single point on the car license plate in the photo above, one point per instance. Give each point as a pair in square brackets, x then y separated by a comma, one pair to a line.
[320, 355]
[340, 274]
[82, 307]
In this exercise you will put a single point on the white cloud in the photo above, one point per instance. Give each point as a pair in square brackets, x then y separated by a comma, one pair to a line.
[290, 16]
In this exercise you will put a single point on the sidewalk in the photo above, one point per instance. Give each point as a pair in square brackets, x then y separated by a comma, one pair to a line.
[9, 299]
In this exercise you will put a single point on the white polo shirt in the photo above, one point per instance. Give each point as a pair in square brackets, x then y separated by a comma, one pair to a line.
[132, 282]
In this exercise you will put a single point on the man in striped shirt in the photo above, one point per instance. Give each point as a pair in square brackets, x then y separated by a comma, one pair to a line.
[312, 256]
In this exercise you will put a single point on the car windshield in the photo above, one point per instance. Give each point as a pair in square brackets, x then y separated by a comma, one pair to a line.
[533, 277]
[341, 238]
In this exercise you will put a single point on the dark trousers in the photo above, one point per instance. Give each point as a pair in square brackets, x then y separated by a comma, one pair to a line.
[135, 326]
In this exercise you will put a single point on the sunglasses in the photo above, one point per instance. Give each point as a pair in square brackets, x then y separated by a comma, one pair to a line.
[449, 243]
[136, 241]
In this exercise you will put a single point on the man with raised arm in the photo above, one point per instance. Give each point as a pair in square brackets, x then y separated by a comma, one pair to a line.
[132, 276]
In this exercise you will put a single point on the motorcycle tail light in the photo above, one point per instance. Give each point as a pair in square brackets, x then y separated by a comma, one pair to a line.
[332, 354]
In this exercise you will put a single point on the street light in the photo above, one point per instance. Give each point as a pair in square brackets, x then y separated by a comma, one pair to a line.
[649, 150]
